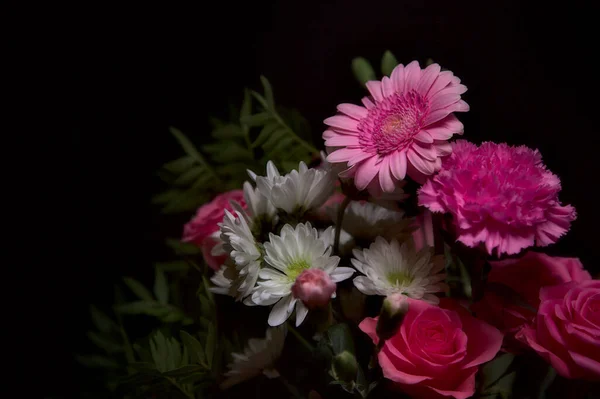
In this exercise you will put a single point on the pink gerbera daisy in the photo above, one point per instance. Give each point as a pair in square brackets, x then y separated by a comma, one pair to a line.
[498, 195]
[402, 129]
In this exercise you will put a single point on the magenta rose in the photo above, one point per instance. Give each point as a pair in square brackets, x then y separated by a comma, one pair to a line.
[566, 332]
[204, 224]
[511, 295]
[437, 350]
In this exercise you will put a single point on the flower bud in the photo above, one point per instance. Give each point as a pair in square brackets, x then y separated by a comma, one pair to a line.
[344, 367]
[314, 288]
[392, 313]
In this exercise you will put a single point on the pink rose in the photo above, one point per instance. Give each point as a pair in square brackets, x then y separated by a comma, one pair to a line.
[511, 295]
[199, 230]
[314, 288]
[437, 350]
[566, 332]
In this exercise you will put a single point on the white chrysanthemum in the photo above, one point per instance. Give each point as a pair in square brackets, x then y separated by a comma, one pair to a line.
[366, 220]
[328, 238]
[298, 191]
[293, 252]
[258, 205]
[259, 357]
[391, 268]
[241, 246]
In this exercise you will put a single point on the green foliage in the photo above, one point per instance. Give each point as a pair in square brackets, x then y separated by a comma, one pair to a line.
[339, 341]
[363, 71]
[498, 377]
[388, 63]
[247, 141]
[156, 305]
[278, 139]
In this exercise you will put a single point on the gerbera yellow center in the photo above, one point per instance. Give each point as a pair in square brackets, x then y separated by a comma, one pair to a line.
[296, 267]
[399, 278]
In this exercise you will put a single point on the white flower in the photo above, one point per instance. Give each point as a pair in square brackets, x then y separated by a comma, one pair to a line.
[259, 206]
[290, 254]
[366, 220]
[328, 238]
[241, 246]
[259, 357]
[299, 191]
[390, 268]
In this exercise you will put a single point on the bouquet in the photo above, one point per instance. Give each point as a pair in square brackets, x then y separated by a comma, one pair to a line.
[391, 259]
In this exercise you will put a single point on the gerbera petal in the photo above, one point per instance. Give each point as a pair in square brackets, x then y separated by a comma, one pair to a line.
[342, 141]
[354, 111]
[387, 86]
[343, 154]
[398, 165]
[368, 103]
[397, 78]
[423, 137]
[443, 79]
[445, 128]
[341, 121]
[385, 176]
[412, 74]
[443, 101]
[423, 166]
[374, 87]
[366, 172]
[429, 76]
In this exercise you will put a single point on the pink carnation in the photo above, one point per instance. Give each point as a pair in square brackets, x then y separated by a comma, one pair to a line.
[402, 128]
[498, 195]
[199, 230]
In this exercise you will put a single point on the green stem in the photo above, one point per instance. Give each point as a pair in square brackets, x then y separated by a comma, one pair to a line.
[338, 224]
[291, 388]
[175, 384]
[300, 338]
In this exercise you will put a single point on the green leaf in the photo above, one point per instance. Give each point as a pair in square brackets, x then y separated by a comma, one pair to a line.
[429, 61]
[207, 290]
[194, 348]
[257, 119]
[103, 342]
[161, 287]
[229, 131]
[193, 378]
[211, 342]
[102, 321]
[174, 266]
[97, 361]
[388, 63]
[186, 144]
[179, 165]
[280, 147]
[265, 133]
[274, 139]
[166, 196]
[189, 176]
[182, 248]
[493, 371]
[246, 109]
[138, 289]
[143, 366]
[151, 308]
[184, 371]
[268, 92]
[547, 382]
[340, 338]
[363, 71]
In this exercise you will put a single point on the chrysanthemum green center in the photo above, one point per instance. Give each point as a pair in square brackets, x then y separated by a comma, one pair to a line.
[399, 278]
[296, 267]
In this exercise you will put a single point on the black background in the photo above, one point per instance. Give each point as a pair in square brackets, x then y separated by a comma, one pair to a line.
[129, 74]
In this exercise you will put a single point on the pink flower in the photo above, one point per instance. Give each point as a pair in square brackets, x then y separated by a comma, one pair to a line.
[511, 296]
[437, 350]
[199, 230]
[423, 236]
[402, 128]
[567, 329]
[498, 195]
[314, 288]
